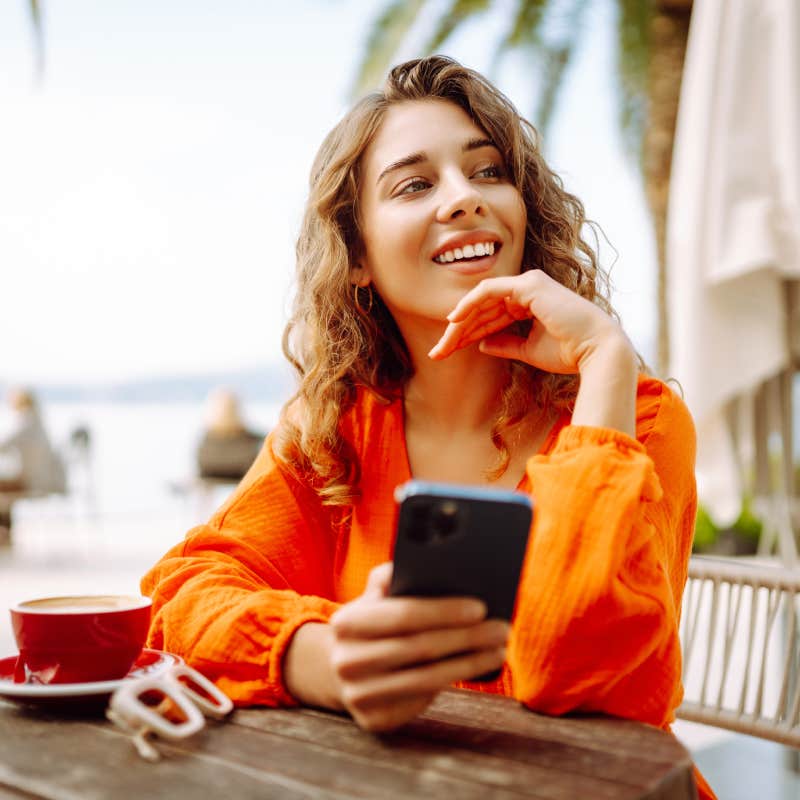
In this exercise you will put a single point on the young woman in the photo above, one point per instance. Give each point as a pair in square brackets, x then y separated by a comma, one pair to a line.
[450, 324]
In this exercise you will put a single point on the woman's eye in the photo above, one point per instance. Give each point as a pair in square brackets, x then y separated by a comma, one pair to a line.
[492, 171]
[417, 185]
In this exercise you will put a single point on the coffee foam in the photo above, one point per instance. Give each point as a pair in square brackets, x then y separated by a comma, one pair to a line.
[83, 604]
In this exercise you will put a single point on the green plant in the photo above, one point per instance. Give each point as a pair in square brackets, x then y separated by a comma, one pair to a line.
[746, 530]
[705, 531]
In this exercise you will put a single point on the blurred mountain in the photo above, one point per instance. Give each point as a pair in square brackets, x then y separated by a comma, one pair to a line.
[265, 384]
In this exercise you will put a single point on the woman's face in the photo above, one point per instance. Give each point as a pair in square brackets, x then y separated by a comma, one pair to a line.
[437, 212]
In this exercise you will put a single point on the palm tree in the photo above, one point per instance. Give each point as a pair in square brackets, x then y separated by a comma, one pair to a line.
[651, 45]
[38, 35]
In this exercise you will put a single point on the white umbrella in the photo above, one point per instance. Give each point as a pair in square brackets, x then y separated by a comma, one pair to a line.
[733, 229]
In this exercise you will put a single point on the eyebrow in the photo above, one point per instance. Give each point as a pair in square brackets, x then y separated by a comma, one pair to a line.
[417, 158]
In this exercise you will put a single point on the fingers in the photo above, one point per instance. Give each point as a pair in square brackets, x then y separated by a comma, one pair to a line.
[463, 334]
[398, 616]
[389, 656]
[566, 325]
[489, 308]
[378, 580]
[475, 334]
[489, 290]
[390, 699]
[383, 717]
[505, 345]
[358, 658]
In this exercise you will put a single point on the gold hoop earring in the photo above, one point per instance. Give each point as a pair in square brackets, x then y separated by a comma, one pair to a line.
[361, 310]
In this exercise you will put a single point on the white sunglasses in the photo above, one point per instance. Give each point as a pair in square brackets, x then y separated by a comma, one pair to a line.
[170, 705]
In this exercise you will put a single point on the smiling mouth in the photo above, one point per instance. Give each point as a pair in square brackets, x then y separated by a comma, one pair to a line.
[468, 253]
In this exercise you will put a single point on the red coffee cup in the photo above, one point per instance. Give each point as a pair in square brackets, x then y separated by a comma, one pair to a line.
[79, 639]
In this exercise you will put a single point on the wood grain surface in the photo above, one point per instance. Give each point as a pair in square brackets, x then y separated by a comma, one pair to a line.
[466, 746]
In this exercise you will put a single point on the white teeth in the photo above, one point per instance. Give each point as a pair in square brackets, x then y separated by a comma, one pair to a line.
[468, 251]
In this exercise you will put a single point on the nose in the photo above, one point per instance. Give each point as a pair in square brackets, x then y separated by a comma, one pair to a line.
[459, 198]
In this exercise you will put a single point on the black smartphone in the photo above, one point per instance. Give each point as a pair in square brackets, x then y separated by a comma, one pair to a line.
[461, 541]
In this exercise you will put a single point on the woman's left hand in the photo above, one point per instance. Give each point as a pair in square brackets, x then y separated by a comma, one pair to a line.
[567, 329]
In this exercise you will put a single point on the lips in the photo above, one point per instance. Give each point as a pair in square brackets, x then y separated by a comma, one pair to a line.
[466, 240]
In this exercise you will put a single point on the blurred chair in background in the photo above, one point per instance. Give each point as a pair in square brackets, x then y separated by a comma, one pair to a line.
[740, 637]
[228, 447]
[223, 454]
[78, 456]
[81, 439]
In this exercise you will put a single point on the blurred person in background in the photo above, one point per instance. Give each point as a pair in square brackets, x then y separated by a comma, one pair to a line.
[29, 465]
[228, 447]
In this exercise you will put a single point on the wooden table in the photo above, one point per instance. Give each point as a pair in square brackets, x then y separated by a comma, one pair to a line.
[467, 745]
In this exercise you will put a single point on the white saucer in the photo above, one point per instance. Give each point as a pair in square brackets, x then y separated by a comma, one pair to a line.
[149, 663]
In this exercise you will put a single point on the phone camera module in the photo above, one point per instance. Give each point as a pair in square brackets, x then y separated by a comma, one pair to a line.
[435, 522]
[444, 520]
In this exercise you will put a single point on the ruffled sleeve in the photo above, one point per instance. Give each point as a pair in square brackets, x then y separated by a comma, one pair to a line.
[230, 597]
[596, 627]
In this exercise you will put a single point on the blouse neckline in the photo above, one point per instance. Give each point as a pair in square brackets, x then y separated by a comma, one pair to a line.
[545, 446]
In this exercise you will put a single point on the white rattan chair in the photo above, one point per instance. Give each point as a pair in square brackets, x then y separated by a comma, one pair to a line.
[740, 633]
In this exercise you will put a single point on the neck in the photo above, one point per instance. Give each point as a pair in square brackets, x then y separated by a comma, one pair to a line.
[459, 393]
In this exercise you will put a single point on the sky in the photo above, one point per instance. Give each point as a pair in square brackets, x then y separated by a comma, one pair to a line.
[152, 185]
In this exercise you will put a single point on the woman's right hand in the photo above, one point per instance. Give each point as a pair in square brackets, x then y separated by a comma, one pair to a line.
[388, 657]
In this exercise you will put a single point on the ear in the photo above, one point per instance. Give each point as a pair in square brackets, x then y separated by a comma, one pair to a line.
[360, 276]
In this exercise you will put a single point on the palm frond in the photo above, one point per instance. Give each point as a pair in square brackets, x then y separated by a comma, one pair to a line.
[38, 36]
[548, 31]
[554, 63]
[553, 53]
[460, 11]
[525, 24]
[633, 54]
[384, 40]
[522, 33]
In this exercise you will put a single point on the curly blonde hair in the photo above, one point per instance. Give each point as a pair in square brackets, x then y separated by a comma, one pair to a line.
[339, 340]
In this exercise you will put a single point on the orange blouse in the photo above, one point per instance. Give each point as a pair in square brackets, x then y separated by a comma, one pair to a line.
[596, 624]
